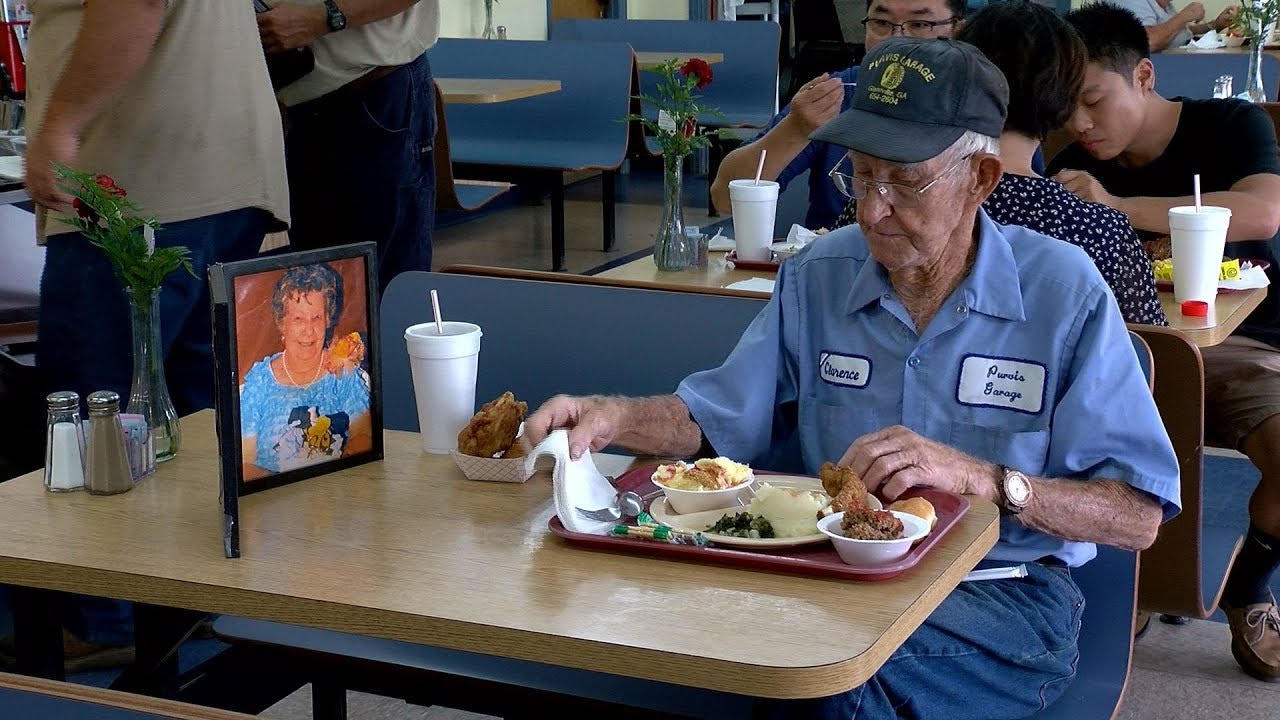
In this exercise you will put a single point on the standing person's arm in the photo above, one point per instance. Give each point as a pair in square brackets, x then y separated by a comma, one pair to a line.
[289, 25]
[115, 39]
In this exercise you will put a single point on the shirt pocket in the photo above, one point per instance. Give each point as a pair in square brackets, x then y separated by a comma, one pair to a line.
[834, 427]
[1025, 451]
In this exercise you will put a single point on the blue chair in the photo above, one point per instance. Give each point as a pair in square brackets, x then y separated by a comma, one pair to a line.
[1191, 75]
[745, 89]
[1109, 584]
[542, 137]
[451, 193]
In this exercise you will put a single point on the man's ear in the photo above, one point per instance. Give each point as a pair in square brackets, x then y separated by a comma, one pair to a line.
[990, 169]
[1144, 75]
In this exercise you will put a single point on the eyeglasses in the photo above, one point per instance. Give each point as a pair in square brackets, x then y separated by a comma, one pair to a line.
[911, 28]
[897, 195]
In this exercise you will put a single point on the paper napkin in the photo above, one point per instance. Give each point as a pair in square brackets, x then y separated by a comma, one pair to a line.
[755, 284]
[1208, 41]
[1250, 277]
[575, 483]
[720, 243]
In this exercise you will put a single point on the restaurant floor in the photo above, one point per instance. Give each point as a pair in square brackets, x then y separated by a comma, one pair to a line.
[1180, 672]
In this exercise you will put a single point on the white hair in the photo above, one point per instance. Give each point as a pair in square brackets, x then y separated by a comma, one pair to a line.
[974, 143]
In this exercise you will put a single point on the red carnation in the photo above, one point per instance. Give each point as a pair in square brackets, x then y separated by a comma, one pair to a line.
[690, 127]
[106, 183]
[83, 210]
[698, 68]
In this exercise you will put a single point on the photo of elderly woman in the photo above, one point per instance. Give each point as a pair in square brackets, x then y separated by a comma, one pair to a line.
[305, 396]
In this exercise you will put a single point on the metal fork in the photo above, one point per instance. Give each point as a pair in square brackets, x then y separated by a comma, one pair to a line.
[609, 514]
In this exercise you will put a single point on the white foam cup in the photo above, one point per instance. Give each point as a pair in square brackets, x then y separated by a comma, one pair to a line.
[1198, 239]
[444, 380]
[754, 209]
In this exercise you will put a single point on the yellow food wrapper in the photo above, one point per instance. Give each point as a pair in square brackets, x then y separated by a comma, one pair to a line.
[1163, 270]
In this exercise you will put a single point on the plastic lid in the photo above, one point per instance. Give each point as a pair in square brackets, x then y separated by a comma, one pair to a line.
[1195, 308]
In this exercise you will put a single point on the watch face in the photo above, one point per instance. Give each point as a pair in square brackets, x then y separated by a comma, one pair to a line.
[337, 20]
[1017, 488]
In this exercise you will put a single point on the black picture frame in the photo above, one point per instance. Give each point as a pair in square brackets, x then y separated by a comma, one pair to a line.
[229, 376]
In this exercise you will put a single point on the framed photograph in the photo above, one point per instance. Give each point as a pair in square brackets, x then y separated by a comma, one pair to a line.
[296, 370]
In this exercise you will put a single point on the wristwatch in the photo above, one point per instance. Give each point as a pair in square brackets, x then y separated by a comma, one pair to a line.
[336, 19]
[1015, 489]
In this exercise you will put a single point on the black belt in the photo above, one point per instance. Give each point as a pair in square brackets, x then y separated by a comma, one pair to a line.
[351, 90]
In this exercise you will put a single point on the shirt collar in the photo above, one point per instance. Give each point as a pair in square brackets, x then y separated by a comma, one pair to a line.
[992, 287]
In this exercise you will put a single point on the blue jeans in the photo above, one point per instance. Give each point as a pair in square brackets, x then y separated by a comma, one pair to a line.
[85, 342]
[992, 650]
[362, 167]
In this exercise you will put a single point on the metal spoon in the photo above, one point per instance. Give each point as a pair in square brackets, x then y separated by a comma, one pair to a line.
[629, 504]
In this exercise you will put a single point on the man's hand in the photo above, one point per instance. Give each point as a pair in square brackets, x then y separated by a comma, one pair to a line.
[593, 422]
[287, 26]
[1193, 12]
[1226, 17]
[895, 459]
[1086, 187]
[817, 103]
[52, 144]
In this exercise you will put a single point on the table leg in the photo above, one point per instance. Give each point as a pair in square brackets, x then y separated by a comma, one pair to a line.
[158, 633]
[328, 700]
[37, 633]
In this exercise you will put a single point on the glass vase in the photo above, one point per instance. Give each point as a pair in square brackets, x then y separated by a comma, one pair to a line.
[671, 247]
[149, 396]
[1253, 86]
[489, 33]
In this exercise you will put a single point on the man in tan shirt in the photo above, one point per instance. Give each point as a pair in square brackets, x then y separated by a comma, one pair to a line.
[170, 98]
[360, 126]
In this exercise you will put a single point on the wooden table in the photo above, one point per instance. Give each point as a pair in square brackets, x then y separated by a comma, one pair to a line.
[37, 699]
[484, 91]
[649, 60]
[1230, 310]
[408, 549]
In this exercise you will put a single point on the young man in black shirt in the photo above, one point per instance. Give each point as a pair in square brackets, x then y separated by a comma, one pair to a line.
[1138, 152]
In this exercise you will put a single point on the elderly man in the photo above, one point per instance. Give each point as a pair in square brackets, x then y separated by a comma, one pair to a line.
[1169, 27]
[930, 346]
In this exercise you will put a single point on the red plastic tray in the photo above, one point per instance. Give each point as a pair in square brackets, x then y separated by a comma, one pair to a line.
[1164, 286]
[814, 560]
[762, 265]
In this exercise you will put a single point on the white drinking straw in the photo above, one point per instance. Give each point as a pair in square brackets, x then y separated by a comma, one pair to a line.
[1196, 182]
[435, 309]
[760, 165]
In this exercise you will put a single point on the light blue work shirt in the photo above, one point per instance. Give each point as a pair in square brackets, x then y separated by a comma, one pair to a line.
[1027, 365]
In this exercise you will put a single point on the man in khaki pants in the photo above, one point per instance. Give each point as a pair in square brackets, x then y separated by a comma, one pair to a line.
[171, 99]
[360, 126]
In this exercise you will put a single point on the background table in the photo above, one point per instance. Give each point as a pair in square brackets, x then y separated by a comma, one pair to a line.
[1229, 312]
[407, 549]
[35, 699]
[482, 91]
[648, 60]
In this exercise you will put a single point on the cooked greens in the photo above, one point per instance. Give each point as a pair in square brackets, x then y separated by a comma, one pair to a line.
[743, 525]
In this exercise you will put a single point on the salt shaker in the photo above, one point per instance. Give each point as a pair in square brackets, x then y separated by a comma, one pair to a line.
[697, 245]
[1222, 87]
[107, 472]
[64, 444]
[502, 32]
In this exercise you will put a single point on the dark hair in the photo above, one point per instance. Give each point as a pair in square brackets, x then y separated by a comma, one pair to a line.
[1042, 59]
[957, 7]
[1113, 37]
[303, 279]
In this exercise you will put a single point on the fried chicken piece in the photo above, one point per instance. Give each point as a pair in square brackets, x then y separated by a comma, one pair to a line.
[494, 428]
[517, 450]
[864, 524]
[846, 489]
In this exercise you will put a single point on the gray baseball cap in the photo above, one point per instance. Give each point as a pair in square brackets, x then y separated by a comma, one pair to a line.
[916, 97]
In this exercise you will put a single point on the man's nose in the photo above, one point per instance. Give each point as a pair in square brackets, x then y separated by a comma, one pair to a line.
[874, 207]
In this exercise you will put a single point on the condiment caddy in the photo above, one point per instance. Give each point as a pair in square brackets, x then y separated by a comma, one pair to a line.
[105, 456]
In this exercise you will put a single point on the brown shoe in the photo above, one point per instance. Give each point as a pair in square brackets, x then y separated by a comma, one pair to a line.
[1255, 639]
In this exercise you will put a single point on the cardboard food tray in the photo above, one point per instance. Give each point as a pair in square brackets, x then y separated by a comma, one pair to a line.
[812, 560]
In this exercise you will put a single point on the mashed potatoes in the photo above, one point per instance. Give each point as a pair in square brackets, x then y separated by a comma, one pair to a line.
[792, 512]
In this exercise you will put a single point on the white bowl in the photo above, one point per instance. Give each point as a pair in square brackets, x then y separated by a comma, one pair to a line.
[785, 250]
[874, 552]
[692, 501]
[1234, 40]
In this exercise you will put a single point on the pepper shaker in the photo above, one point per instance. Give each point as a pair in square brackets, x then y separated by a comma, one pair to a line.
[107, 471]
[64, 444]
